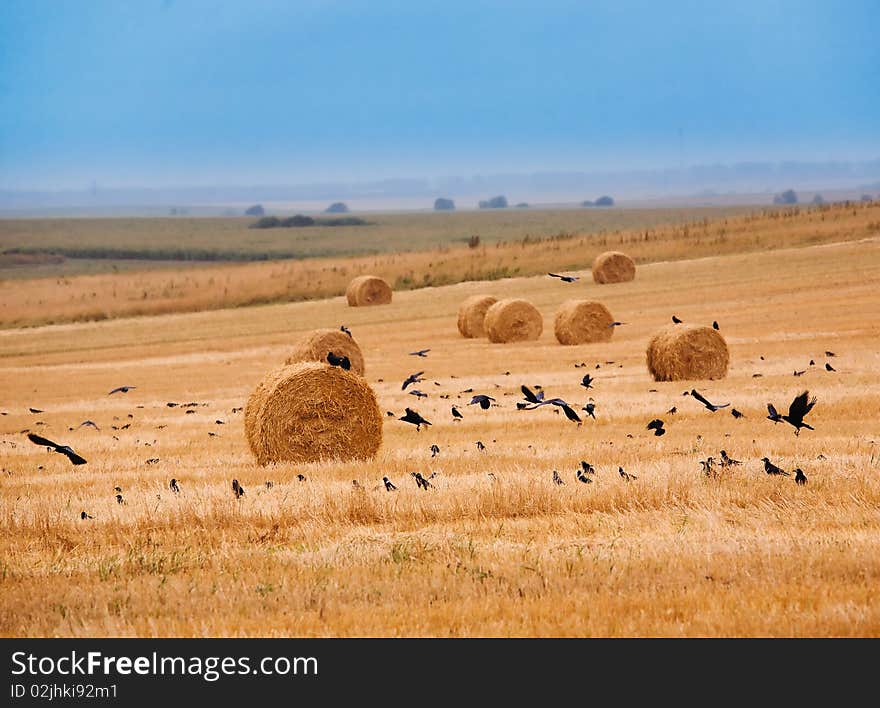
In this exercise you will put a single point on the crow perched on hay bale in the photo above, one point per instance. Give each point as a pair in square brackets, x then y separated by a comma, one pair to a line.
[316, 345]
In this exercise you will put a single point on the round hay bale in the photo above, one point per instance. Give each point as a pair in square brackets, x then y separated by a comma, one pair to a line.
[472, 315]
[316, 345]
[368, 290]
[582, 322]
[513, 320]
[687, 352]
[254, 404]
[310, 412]
[613, 267]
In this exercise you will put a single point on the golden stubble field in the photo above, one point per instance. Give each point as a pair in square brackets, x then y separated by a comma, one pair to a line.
[670, 554]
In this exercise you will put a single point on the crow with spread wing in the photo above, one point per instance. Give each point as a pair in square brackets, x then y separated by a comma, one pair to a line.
[65, 450]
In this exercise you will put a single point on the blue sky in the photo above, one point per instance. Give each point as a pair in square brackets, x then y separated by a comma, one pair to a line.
[174, 92]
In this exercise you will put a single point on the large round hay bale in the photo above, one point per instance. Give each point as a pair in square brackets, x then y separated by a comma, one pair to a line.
[613, 267]
[582, 322]
[316, 345]
[310, 412]
[254, 405]
[472, 315]
[687, 352]
[513, 320]
[368, 290]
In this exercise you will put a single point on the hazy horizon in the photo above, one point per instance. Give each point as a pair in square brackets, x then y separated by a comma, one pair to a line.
[161, 94]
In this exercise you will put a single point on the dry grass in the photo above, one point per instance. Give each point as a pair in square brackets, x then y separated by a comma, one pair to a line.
[97, 297]
[671, 553]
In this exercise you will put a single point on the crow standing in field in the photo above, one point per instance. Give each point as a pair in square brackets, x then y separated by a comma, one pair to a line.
[412, 379]
[456, 415]
[657, 426]
[799, 476]
[557, 479]
[480, 445]
[237, 489]
[301, 477]
[420, 352]
[770, 468]
[626, 475]
[389, 485]
[65, 450]
[342, 362]
[672, 411]
[799, 407]
[36, 410]
[715, 325]
[414, 418]
[421, 482]
[343, 328]
[564, 278]
[435, 450]
[616, 324]
[587, 381]
[676, 320]
[482, 400]
[711, 406]
[707, 466]
[727, 461]
[735, 413]
[83, 515]
[121, 389]
[828, 367]
[119, 499]
[174, 486]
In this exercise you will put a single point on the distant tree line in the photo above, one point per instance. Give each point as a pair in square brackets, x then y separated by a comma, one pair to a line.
[300, 220]
[499, 202]
[443, 204]
[603, 201]
[789, 196]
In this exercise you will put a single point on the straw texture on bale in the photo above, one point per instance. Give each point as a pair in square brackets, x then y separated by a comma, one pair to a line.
[513, 320]
[316, 345]
[687, 352]
[310, 412]
[368, 290]
[582, 322]
[613, 267]
[472, 315]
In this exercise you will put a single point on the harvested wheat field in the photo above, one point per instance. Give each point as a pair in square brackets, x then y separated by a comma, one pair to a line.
[494, 547]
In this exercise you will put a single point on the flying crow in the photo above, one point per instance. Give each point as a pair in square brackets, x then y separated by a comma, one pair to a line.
[414, 418]
[587, 381]
[530, 396]
[418, 394]
[482, 400]
[121, 389]
[65, 450]
[420, 352]
[411, 379]
[564, 278]
[711, 406]
[590, 409]
[773, 415]
[799, 407]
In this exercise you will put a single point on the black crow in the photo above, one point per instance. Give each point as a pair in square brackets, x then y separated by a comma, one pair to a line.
[773, 415]
[36, 410]
[672, 411]
[812, 363]
[564, 278]
[770, 468]
[799, 476]
[582, 477]
[715, 325]
[626, 475]
[411, 379]
[655, 424]
[482, 400]
[799, 407]
[480, 445]
[174, 486]
[615, 324]
[707, 466]
[121, 389]
[557, 478]
[269, 484]
[389, 485]
[735, 413]
[414, 418]
[530, 396]
[727, 461]
[456, 414]
[587, 381]
[418, 394]
[356, 484]
[828, 367]
[435, 450]
[420, 352]
[119, 499]
[86, 424]
[65, 450]
[711, 406]
[675, 320]
[799, 373]
[569, 412]
[342, 362]
[237, 489]
[301, 477]
[84, 515]
[590, 409]
[343, 328]
[421, 482]
[830, 354]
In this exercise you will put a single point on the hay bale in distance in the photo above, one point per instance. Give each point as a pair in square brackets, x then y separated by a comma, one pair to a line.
[513, 320]
[687, 352]
[613, 267]
[472, 315]
[582, 322]
[316, 345]
[368, 290]
[311, 412]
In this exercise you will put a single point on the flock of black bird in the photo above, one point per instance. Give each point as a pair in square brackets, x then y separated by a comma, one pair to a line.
[533, 399]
